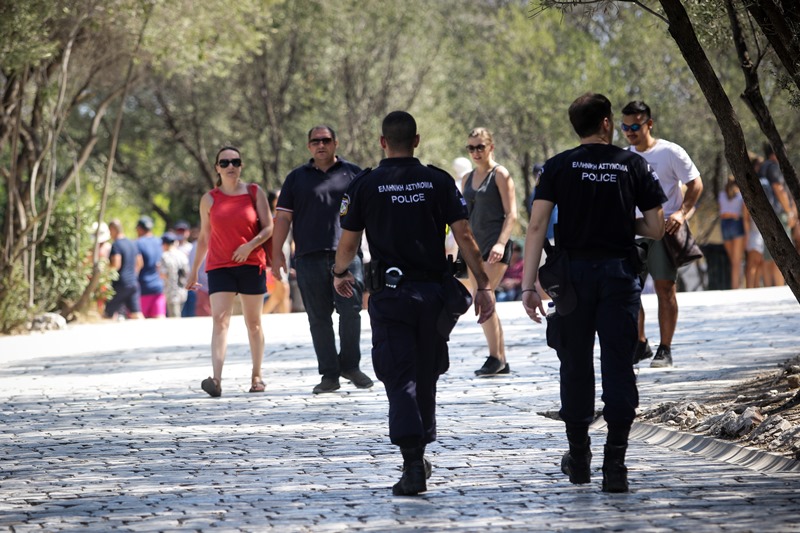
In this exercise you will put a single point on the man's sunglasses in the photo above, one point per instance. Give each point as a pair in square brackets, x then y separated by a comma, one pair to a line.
[223, 163]
[633, 127]
[322, 140]
[476, 148]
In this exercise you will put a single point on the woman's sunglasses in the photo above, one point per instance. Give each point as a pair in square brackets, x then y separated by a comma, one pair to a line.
[476, 148]
[223, 163]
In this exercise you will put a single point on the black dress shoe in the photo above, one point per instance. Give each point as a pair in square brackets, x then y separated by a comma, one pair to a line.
[358, 378]
[327, 385]
[492, 367]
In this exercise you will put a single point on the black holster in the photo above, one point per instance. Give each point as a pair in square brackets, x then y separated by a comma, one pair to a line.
[374, 276]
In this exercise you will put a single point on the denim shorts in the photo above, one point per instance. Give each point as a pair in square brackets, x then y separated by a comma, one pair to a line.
[245, 279]
[732, 228]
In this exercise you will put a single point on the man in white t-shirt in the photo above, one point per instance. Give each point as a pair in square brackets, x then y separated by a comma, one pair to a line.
[674, 168]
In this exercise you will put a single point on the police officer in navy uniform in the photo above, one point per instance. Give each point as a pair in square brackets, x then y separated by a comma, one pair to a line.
[597, 187]
[404, 208]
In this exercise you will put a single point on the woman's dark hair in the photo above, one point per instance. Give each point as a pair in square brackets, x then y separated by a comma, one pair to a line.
[216, 159]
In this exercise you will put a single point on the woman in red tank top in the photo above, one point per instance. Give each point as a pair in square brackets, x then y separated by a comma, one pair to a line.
[231, 235]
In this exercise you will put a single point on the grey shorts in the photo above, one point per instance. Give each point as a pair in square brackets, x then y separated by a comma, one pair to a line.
[659, 264]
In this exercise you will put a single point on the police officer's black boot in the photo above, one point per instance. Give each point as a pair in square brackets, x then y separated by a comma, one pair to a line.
[576, 463]
[414, 472]
[425, 462]
[615, 473]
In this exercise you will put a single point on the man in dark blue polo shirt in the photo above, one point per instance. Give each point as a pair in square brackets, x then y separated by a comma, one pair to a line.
[309, 203]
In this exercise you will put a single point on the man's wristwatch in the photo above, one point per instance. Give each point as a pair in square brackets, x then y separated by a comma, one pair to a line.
[337, 274]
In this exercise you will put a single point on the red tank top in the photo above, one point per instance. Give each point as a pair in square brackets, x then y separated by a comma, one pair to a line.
[234, 221]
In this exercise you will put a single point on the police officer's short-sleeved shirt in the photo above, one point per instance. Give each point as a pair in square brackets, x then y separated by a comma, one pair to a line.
[404, 207]
[597, 188]
[313, 197]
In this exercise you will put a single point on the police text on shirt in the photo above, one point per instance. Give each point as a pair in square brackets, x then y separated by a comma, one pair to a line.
[594, 171]
[413, 197]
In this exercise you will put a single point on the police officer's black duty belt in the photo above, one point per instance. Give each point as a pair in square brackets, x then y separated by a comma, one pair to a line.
[394, 275]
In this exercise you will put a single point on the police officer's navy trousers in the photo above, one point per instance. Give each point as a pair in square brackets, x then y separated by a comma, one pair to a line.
[408, 355]
[315, 281]
[608, 297]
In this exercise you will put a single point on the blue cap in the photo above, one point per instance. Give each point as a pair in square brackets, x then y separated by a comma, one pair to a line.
[145, 222]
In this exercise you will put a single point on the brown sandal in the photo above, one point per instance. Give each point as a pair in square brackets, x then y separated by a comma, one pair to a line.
[258, 386]
[213, 388]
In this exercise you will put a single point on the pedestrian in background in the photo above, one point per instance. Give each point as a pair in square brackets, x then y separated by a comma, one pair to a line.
[174, 269]
[675, 169]
[774, 185]
[154, 304]
[232, 232]
[278, 292]
[461, 167]
[731, 215]
[510, 287]
[126, 260]
[409, 344]
[492, 204]
[308, 204]
[597, 187]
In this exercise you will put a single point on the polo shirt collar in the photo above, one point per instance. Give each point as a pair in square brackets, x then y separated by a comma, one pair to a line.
[336, 164]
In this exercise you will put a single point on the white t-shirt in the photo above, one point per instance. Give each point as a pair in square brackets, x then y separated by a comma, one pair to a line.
[730, 206]
[673, 166]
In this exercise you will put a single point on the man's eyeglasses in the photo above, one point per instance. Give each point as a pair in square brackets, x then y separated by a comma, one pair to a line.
[321, 140]
[633, 127]
[476, 148]
[223, 163]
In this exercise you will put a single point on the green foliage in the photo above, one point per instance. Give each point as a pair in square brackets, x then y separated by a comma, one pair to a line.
[62, 266]
[13, 301]
[204, 39]
[24, 35]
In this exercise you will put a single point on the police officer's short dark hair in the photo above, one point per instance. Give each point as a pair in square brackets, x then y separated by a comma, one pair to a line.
[587, 113]
[322, 127]
[768, 150]
[637, 107]
[399, 129]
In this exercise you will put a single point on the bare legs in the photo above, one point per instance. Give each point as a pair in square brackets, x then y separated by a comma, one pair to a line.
[221, 308]
[753, 269]
[492, 329]
[667, 311]
[735, 251]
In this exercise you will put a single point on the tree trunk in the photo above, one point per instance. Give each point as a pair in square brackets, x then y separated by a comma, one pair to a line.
[775, 238]
[779, 24]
